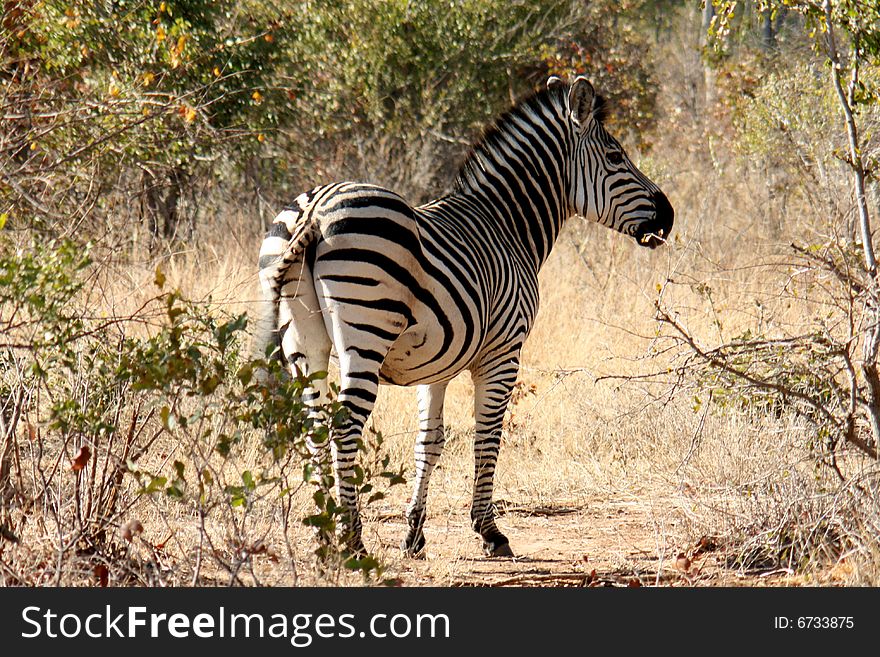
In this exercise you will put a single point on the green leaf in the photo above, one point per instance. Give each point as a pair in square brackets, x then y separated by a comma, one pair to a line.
[320, 521]
[224, 445]
[365, 564]
[156, 484]
[168, 419]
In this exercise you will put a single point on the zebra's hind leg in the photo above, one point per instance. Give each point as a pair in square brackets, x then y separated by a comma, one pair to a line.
[359, 384]
[429, 446]
[492, 392]
[306, 347]
[362, 333]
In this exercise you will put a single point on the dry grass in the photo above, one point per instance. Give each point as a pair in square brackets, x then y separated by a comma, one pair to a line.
[595, 461]
[586, 438]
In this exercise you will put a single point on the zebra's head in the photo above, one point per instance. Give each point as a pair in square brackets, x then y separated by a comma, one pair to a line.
[606, 186]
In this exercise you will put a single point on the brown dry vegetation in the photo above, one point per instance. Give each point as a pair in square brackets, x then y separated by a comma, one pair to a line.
[611, 462]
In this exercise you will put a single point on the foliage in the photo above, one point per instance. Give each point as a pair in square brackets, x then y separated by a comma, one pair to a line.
[208, 57]
[789, 116]
[149, 100]
[59, 391]
[435, 73]
[155, 91]
[787, 119]
[37, 287]
[102, 392]
[450, 66]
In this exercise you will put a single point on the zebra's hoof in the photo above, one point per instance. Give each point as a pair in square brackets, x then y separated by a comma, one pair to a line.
[413, 546]
[413, 551]
[497, 550]
[354, 548]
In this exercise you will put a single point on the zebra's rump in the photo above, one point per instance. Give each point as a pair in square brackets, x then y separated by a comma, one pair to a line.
[385, 286]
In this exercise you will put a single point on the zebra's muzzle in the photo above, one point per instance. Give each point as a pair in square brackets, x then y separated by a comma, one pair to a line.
[656, 231]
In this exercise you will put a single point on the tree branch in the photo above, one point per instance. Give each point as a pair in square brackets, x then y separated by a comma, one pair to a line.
[853, 137]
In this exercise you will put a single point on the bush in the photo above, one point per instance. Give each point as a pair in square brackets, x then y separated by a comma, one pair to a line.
[126, 112]
[88, 402]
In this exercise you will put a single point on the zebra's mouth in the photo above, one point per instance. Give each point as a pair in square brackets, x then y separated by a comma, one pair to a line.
[653, 240]
[653, 233]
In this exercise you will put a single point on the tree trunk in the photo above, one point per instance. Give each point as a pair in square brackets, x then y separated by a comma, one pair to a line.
[768, 34]
[708, 71]
[161, 200]
[176, 180]
[870, 331]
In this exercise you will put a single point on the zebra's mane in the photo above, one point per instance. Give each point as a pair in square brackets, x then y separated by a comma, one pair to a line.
[525, 111]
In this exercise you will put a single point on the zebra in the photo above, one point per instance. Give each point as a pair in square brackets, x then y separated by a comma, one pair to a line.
[416, 295]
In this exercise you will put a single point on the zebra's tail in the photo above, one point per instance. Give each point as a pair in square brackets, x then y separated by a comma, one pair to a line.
[287, 239]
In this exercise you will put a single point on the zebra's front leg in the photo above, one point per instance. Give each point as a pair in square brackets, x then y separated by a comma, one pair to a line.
[492, 392]
[429, 446]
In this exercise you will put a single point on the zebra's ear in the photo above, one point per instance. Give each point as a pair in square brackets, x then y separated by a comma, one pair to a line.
[581, 97]
[553, 81]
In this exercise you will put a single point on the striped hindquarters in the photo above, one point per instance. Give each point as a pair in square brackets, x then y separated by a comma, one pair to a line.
[290, 234]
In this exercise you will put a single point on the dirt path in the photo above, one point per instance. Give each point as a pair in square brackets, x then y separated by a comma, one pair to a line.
[601, 543]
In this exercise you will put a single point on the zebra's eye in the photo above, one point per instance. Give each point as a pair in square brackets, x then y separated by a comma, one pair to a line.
[615, 157]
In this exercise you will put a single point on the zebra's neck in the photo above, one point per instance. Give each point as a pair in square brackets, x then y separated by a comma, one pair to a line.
[516, 176]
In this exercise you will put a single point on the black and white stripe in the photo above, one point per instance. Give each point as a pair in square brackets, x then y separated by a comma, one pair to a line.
[414, 296]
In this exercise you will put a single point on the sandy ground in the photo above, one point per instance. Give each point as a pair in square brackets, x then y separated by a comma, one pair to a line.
[602, 543]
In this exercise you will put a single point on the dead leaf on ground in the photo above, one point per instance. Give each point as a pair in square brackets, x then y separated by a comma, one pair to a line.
[592, 579]
[81, 460]
[706, 544]
[161, 546]
[682, 563]
[103, 574]
[130, 529]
